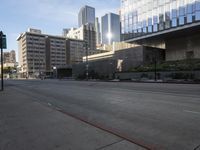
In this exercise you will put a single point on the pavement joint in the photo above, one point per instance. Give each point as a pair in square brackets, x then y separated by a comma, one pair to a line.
[197, 148]
[110, 144]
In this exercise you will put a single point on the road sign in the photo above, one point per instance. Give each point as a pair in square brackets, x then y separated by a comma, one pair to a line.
[3, 42]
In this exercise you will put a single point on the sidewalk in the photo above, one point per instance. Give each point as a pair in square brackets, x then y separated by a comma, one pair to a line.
[28, 125]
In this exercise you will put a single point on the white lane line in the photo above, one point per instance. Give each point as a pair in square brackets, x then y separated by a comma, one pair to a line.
[193, 112]
[49, 104]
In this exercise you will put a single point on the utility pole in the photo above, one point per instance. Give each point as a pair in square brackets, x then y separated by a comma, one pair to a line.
[1, 45]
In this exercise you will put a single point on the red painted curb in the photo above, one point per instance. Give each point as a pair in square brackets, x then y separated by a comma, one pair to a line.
[111, 131]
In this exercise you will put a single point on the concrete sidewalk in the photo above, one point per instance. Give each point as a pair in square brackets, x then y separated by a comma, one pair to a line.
[26, 124]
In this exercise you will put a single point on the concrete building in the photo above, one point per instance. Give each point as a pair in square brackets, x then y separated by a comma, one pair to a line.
[65, 32]
[86, 33]
[97, 29]
[9, 57]
[171, 25]
[110, 28]
[76, 51]
[40, 54]
[86, 16]
[56, 52]
[122, 58]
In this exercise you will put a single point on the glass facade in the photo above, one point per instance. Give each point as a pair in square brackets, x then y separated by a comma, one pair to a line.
[110, 28]
[141, 17]
[86, 15]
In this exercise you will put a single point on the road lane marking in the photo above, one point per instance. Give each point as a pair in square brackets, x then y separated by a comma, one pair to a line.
[49, 104]
[193, 112]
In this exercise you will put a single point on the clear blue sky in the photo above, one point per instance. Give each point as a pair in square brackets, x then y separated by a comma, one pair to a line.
[51, 16]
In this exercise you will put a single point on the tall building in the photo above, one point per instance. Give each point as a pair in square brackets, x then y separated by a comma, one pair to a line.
[40, 53]
[110, 24]
[86, 33]
[97, 29]
[86, 16]
[75, 51]
[9, 57]
[65, 32]
[171, 24]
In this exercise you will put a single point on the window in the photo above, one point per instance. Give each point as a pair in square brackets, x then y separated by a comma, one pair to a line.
[155, 20]
[197, 15]
[181, 20]
[181, 11]
[189, 18]
[155, 27]
[174, 13]
[198, 6]
[189, 9]
[150, 21]
[144, 30]
[149, 29]
[174, 22]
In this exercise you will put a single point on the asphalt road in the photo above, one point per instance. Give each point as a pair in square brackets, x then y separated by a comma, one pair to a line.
[161, 116]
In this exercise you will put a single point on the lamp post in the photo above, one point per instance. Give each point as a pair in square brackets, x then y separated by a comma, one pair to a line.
[1, 45]
[55, 72]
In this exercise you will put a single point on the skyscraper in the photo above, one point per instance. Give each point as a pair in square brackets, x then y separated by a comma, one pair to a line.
[86, 15]
[97, 28]
[110, 24]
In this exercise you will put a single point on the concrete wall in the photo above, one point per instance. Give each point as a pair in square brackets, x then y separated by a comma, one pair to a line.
[151, 55]
[130, 58]
[160, 75]
[183, 48]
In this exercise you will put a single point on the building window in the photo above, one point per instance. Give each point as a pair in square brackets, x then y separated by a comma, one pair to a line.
[149, 29]
[197, 15]
[189, 18]
[174, 13]
[174, 22]
[181, 20]
[189, 9]
[197, 5]
[155, 28]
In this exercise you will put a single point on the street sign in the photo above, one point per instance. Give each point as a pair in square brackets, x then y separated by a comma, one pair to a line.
[3, 42]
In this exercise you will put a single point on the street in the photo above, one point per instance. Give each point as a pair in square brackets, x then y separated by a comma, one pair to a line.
[158, 116]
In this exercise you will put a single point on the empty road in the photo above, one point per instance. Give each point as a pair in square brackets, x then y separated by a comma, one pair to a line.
[159, 116]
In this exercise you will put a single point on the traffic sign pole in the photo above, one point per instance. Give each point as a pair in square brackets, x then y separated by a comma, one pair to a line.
[1, 45]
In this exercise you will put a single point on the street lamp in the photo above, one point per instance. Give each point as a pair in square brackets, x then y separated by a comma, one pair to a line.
[55, 71]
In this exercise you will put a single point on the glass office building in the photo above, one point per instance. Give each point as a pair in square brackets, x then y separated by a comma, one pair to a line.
[143, 17]
[86, 16]
[110, 28]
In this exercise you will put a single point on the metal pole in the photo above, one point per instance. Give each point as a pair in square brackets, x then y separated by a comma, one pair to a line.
[155, 65]
[87, 65]
[1, 44]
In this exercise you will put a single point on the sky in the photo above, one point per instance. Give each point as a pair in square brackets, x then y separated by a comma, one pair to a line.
[51, 16]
